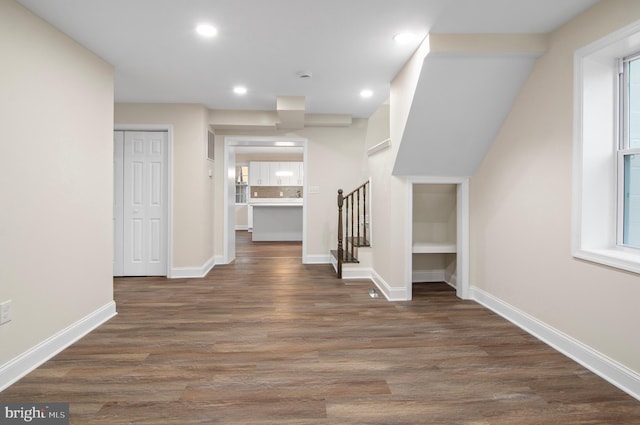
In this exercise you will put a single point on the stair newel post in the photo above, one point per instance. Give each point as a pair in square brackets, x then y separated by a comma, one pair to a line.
[340, 235]
[364, 211]
[346, 226]
[353, 245]
[358, 216]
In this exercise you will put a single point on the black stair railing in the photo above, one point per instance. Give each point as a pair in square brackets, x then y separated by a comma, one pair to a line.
[352, 222]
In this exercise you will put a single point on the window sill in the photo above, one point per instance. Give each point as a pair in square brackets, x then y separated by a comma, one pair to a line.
[624, 260]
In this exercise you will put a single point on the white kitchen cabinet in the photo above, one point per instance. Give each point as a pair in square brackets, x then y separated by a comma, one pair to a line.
[290, 173]
[254, 173]
[282, 174]
[260, 173]
[298, 174]
[271, 173]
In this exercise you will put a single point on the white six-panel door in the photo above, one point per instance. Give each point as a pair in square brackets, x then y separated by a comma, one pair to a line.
[140, 203]
[118, 209]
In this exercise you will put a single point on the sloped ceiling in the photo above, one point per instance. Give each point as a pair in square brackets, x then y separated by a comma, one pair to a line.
[458, 108]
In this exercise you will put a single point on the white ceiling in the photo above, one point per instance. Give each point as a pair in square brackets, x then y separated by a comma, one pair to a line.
[262, 44]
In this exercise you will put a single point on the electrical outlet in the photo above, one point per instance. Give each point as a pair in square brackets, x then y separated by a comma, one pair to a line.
[5, 312]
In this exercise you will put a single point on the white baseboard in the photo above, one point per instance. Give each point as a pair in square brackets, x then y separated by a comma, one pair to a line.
[242, 227]
[28, 361]
[390, 293]
[353, 272]
[194, 272]
[608, 369]
[451, 279]
[441, 275]
[317, 259]
[428, 276]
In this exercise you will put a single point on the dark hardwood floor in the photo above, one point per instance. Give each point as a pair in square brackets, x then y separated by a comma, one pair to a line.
[268, 340]
[246, 248]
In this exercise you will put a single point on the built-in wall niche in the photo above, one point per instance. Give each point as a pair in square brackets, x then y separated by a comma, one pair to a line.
[435, 267]
[434, 233]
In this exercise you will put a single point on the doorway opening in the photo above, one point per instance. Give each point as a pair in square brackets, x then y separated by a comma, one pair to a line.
[275, 205]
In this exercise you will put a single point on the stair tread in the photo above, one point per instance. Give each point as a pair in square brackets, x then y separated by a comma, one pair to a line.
[349, 258]
[358, 241]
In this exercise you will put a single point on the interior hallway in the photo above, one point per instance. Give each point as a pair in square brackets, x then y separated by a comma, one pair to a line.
[272, 341]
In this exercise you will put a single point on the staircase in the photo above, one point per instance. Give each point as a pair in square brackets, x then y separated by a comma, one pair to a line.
[353, 226]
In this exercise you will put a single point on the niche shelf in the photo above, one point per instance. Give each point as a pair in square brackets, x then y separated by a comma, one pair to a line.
[434, 248]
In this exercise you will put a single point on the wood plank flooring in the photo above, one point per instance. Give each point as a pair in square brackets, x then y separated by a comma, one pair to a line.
[247, 248]
[268, 340]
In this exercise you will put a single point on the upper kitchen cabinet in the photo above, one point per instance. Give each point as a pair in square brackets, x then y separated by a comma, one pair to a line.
[298, 173]
[268, 173]
[282, 173]
[288, 173]
[259, 173]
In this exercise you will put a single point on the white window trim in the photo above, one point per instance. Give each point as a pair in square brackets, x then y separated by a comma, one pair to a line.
[621, 198]
[243, 164]
[595, 175]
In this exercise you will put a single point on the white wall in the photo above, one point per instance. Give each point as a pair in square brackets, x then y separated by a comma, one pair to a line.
[521, 208]
[378, 126]
[389, 194]
[434, 213]
[192, 187]
[56, 169]
[242, 216]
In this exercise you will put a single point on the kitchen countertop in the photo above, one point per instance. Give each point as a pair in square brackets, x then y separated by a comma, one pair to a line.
[276, 204]
[276, 201]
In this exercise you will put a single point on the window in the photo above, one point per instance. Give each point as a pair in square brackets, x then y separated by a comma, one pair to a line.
[606, 201]
[242, 183]
[629, 153]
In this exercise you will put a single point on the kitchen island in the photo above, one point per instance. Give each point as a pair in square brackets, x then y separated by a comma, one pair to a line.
[275, 221]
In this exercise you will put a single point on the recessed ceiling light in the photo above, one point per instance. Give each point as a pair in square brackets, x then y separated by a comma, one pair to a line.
[366, 93]
[240, 90]
[405, 38]
[206, 30]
